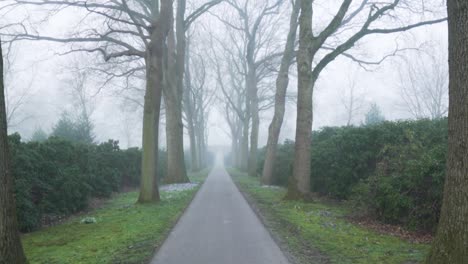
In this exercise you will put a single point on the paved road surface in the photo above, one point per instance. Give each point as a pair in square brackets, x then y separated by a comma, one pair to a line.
[219, 227]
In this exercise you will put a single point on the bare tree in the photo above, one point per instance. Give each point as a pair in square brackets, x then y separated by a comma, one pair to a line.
[230, 78]
[424, 86]
[449, 245]
[11, 250]
[196, 102]
[357, 22]
[173, 90]
[138, 30]
[189, 111]
[282, 82]
[255, 22]
[235, 131]
[253, 63]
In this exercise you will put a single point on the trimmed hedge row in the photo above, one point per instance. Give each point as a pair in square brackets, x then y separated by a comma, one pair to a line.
[393, 171]
[57, 177]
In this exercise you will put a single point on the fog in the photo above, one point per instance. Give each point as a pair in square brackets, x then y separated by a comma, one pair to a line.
[38, 81]
[316, 130]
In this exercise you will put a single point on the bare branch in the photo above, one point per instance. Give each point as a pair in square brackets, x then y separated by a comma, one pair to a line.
[200, 11]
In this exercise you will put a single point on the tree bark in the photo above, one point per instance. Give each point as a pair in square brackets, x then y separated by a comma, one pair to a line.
[173, 89]
[201, 139]
[149, 179]
[450, 244]
[234, 150]
[152, 105]
[234, 126]
[245, 143]
[299, 183]
[190, 114]
[252, 88]
[176, 170]
[252, 96]
[282, 82]
[194, 158]
[11, 250]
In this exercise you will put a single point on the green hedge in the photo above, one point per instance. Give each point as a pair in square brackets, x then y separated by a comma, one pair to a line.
[56, 178]
[393, 171]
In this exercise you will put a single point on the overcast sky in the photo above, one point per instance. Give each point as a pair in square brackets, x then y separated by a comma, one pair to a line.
[44, 75]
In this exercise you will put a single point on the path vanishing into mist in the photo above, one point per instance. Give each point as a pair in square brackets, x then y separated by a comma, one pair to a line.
[219, 227]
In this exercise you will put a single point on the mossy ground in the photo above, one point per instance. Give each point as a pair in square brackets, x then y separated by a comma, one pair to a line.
[125, 232]
[319, 232]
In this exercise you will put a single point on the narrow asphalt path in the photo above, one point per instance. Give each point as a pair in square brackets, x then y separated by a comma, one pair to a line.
[219, 227]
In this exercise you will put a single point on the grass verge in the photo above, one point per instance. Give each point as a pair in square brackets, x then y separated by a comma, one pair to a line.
[125, 232]
[319, 233]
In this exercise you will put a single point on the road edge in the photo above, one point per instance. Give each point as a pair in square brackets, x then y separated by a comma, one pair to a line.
[276, 238]
[168, 233]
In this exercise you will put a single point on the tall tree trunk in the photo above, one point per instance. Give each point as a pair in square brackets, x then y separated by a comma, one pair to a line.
[252, 98]
[252, 165]
[199, 146]
[201, 140]
[239, 144]
[244, 148]
[234, 150]
[194, 158]
[11, 250]
[190, 114]
[239, 152]
[299, 183]
[173, 89]
[200, 150]
[152, 106]
[235, 126]
[450, 244]
[176, 170]
[282, 82]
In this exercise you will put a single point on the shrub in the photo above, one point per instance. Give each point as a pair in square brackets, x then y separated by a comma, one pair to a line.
[407, 185]
[392, 170]
[57, 177]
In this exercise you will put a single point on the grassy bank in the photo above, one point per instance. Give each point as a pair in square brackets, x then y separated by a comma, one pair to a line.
[125, 232]
[319, 233]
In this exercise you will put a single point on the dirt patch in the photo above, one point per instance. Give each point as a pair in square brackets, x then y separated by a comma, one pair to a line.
[419, 237]
[393, 230]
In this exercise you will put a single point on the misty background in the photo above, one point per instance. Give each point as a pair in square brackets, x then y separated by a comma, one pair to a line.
[41, 75]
